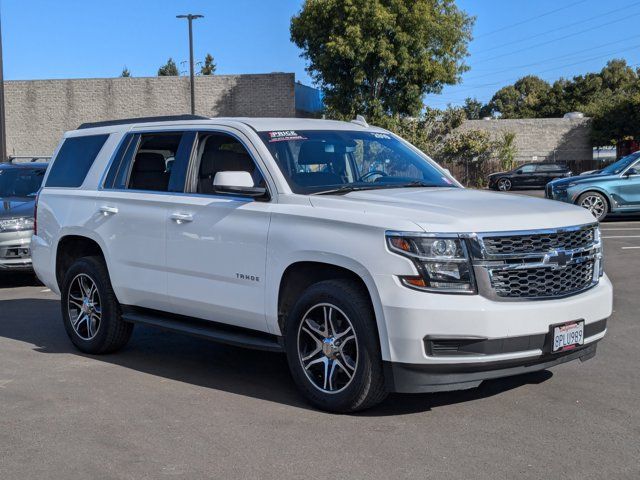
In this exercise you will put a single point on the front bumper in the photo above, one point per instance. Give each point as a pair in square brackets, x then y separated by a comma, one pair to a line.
[15, 251]
[420, 378]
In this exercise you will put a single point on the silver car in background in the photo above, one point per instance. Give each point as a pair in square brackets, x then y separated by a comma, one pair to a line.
[19, 185]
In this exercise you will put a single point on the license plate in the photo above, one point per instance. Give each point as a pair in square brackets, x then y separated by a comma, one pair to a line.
[568, 336]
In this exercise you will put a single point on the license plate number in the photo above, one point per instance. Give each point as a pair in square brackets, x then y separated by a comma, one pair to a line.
[568, 336]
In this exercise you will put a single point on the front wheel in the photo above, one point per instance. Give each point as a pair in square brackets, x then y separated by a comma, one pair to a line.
[596, 203]
[333, 349]
[90, 311]
[504, 185]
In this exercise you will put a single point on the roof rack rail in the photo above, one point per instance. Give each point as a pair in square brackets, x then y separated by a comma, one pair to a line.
[124, 121]
[28, 158]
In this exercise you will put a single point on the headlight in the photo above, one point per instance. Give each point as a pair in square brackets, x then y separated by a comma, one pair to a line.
[16, 224]
[443, 262]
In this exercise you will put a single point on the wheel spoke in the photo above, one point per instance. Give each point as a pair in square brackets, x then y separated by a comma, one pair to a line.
[342, 334]
[75, 303]
[331, 374]
[328, 323]
[348, 371]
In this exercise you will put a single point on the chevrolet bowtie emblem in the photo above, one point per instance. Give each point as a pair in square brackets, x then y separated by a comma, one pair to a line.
[557, 258]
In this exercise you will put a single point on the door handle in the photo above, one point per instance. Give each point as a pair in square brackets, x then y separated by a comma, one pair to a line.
[181, 217]
[106, 210]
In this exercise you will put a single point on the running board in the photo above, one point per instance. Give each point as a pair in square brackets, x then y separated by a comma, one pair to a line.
[217, 332]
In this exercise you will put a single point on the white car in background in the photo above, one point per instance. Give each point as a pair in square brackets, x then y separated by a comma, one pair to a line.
[337, 243]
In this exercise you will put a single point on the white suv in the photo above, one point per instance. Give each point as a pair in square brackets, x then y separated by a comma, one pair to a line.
[337, 243]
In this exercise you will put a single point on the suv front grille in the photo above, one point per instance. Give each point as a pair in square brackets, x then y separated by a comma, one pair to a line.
[542, 282]
[537, 264]
[540, 242]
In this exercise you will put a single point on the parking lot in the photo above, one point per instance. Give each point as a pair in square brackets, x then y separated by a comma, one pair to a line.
[171, 405]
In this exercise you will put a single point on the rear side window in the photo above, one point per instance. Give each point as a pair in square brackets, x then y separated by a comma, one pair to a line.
[74, 160]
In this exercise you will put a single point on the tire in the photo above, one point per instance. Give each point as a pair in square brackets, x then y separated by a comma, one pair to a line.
[596, 203]
[503, 184]
[90, 310]
[354, 365]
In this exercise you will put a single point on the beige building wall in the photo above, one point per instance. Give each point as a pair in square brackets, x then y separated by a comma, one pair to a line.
[39, 111]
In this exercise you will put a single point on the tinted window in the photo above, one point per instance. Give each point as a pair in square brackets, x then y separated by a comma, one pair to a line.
[219, 152]
[549, 167]
[74, 160]
[153, 161]
[20, 182]
[528, 169]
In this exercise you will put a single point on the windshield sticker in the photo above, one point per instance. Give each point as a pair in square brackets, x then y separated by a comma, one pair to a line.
[382, 136]
[447, 180]
[285, 135]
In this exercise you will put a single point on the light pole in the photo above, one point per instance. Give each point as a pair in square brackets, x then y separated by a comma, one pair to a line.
[190, 17]
[3, 129]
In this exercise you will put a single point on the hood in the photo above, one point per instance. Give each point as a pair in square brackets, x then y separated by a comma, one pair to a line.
[495, 174]
[584, 178]
[460, 210]
[12, 207]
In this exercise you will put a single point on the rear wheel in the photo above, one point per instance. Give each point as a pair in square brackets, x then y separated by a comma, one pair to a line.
[504, 185]
[90, 311]
[596, 203]
[333, 349]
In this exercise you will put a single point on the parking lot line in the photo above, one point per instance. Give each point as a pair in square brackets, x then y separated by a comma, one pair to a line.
[623, 236]
[629, 248]
[625, 228]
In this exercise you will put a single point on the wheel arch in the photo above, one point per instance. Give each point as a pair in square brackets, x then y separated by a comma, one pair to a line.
[299, 275]
[71, 247]
[594, 189]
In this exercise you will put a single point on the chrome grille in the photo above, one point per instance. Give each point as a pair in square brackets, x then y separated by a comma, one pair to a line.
[536, 264]
[542, 282]
[539, 242]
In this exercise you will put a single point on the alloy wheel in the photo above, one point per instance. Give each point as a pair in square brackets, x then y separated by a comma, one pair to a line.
[84, 306]
[504, 184]
[327, 348]
[595, 204]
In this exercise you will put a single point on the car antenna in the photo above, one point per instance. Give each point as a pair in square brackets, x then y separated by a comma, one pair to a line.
[360, 120]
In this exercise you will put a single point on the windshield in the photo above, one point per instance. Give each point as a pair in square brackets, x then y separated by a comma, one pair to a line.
[20, 182]
[325, 161]
[620, 165]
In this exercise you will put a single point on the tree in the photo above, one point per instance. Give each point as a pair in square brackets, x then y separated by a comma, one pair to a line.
[620, 121]
[209, 67]
[526, 98]
[380, 57]
[507, 150]
[125, 72]
[475, 109]
[470, 148]
[169, 69]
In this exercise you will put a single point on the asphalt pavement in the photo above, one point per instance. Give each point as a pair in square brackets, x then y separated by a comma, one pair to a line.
[181, 407]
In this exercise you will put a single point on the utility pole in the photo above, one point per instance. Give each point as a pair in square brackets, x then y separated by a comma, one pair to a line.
[3, 130]
[190, 17]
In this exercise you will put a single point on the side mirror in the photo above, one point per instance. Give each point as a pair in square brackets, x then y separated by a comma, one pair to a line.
[519, 172]
[631, 172]
[237, 183]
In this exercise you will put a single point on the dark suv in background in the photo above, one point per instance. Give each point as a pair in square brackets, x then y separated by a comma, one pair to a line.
[529, 175]
[19, 185]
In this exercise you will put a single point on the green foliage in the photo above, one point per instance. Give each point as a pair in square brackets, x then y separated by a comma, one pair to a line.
[169, 69]
[434, 132]
[209, 67]
[125, 72]
[610, 97]
[475, 109]
[506, 150]
[380, 57]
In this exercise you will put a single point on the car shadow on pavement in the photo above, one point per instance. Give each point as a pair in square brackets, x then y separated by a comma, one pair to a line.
[14, 279]
[181, 358]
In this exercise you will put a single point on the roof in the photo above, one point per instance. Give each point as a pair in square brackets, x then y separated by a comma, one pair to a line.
[258, 124]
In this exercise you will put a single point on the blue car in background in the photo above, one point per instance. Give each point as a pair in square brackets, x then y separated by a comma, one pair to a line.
[613, 190]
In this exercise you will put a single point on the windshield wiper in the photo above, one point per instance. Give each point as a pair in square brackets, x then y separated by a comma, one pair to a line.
[348, 188]
[355, 188]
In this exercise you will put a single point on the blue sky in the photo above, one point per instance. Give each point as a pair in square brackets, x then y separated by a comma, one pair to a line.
[96, 38]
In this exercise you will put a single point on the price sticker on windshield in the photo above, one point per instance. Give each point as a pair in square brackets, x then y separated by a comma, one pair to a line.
[284, 136]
